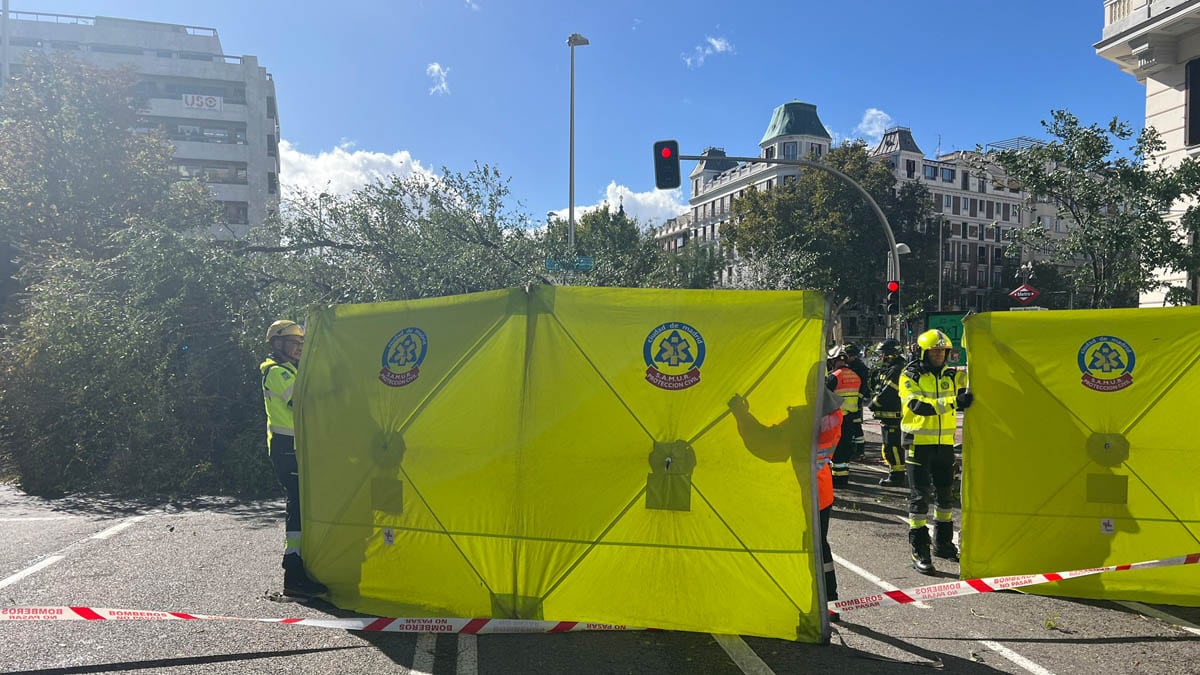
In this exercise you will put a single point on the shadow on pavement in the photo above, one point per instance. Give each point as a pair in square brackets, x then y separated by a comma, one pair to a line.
[179, 662]
[938, 660]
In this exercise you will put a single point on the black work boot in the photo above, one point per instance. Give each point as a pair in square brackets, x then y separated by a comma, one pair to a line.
[894, 479]
[943, 540]
[296, 581]
[918, 538]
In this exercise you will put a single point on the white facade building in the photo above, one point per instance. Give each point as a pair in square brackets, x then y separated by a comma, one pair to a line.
[1158, 42]
[218, 110]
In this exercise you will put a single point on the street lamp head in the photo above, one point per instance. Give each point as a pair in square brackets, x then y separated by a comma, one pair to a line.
[902, 249]
[577, 40]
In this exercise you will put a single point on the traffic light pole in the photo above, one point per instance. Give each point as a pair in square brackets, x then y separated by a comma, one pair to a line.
[894, 256]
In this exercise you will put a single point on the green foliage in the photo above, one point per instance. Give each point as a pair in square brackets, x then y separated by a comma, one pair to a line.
[624, 253]
[818, 232]
[1116, 206]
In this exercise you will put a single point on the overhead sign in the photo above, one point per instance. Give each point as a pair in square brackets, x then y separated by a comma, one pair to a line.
[951, 324]
[581, 263]
[1024, 294]
[203, 102]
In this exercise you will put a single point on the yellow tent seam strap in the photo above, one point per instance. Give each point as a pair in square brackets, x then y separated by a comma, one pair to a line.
[747, 549]
[567, 572]
[1170, 385]
[766, 371]
[1171, 511]
[600, 375]
[1033, 376]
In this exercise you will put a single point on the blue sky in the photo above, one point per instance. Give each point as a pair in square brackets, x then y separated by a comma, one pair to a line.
[368, 87]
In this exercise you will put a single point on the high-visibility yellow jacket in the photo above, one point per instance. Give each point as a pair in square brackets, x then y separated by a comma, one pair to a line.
[278, 381]
[928, 400]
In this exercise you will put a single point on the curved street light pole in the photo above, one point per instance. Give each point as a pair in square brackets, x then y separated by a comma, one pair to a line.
[894, 256]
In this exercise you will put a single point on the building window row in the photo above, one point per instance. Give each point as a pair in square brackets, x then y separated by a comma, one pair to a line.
[976, 208]
[213, 172]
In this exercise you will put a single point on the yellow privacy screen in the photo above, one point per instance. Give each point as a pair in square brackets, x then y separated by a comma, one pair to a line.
[1078, 451]
[564, 454]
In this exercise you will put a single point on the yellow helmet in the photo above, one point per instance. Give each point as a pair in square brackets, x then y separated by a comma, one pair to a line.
[933, 339]
[284, 328]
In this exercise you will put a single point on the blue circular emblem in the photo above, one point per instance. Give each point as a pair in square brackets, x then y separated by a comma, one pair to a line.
[402, 357]
[1106, 363]
[674, 353]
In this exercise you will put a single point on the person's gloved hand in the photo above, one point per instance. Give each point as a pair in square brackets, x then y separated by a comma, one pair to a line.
[964, 400]
[738, 404]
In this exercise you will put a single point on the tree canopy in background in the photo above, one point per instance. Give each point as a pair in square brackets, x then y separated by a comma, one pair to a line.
[1119, 209]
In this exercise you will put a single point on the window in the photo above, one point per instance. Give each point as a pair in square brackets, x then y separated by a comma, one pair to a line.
[770, 184]
[695, 186]
[991, 209]
[270, 105]
[272, 182]
[1192, 104]
[1004, 212]
[947, 175]
[982, 259]
[997, 280]
[236, 213]
[815, 149]
[789, 150]
[956, 229]
[974, 207]
[117, 49]
[910, 168]
[216, 135]
[189, 132]
[981, 277]
[983, 185]
[946, 201]
[972, 231]
[948, 251]
[930, 172]
[769, 152]
[962, 252]
[991, 233]
[955, 202]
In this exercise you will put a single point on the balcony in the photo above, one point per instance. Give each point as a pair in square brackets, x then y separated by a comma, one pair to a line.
[1141, 36]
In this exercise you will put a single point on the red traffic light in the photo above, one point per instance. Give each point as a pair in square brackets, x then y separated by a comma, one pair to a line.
[893, 286]
[666, 152]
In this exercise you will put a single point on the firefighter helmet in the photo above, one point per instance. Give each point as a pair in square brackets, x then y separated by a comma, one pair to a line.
[284, 328]
[888, 347]
[933, 339]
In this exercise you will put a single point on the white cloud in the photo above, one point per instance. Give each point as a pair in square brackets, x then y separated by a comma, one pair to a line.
[341, 170]
[438, 74]
[473, 5]
[636, 23]
[710, 46]
[649, 208]
[874, 123]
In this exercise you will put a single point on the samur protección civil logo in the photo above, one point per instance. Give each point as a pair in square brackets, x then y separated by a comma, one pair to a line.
[1106, 363]
[674, 353]
[403, 356]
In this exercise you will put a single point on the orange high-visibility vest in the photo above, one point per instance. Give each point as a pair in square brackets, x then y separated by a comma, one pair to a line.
[827, 439]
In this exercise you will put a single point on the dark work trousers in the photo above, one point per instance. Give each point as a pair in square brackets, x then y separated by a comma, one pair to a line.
[844, 451]
[893, 453]
[283, 458]
[830, 575]
[930, 470]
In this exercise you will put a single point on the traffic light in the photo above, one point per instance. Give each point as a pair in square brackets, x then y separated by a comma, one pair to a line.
[891, 305]
[666, 165]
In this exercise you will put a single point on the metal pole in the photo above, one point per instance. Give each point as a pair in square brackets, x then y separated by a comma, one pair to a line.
[571, 205]
[941, 264]
[4, 69]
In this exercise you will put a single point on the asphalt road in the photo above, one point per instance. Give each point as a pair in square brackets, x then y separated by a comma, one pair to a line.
[220, 557]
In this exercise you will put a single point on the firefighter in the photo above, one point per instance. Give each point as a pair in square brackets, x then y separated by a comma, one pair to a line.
[858, 443]
[844, 382]
[885, 405]
[930, 395]
[278, 381]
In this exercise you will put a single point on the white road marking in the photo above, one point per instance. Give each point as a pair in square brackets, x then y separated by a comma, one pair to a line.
[1159, 614]
[105, 534]
[1016, 658]
[743, 655]
[423, 657]
[872, 578]
[468, 655]
[30, 570]
[33, 518]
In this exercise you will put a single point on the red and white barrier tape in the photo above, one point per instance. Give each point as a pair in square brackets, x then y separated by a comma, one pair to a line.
[370, 623]
[954, 589]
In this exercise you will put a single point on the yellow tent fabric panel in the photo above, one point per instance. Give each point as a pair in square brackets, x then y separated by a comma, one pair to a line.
[1076, 453]
[564, 454]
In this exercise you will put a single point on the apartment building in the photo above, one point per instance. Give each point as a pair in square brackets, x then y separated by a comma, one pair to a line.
[979, 211]
[218, 110]
[794, 132]
[1158, 42]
